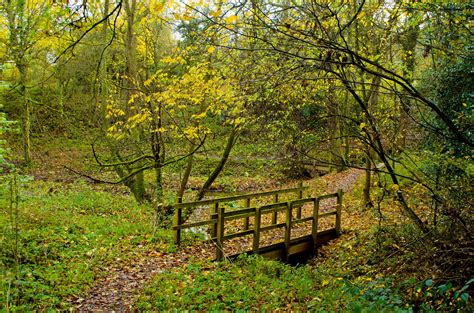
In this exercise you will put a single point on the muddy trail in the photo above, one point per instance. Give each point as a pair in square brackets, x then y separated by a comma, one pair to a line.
[117, 289]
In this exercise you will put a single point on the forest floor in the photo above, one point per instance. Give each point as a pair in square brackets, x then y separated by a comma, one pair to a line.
[92, 247]
[117, 290]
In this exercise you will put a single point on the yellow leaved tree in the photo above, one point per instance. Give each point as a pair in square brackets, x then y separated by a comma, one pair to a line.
[174, 112]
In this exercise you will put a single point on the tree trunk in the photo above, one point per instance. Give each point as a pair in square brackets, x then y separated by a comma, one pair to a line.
[228, 148]
[343, 138]
[368, 175]
[187, 173]
[26, 119]
[373, 98]
[133, 183]
[409, 45]
[159, 185]
[138, 180]
[333, 130]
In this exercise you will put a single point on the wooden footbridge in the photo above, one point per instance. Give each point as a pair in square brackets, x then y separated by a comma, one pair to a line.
[262, 217]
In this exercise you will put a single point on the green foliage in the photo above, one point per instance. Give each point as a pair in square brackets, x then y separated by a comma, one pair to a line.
[6, 126]
[430, 297]
[452, 88]
[59, 240]
[251, 283]
[327, 80]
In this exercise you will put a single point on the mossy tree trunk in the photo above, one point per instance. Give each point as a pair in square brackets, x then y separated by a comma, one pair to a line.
[26, 118]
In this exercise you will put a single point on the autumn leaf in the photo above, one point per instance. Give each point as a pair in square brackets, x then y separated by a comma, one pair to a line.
[231, 19]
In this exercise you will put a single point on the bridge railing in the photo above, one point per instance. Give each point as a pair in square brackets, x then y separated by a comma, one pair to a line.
[214, 205]
[219, 216]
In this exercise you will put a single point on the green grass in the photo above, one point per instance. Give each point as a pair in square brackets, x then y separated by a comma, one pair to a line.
[67, 237]
[344, 279]
[254, 283]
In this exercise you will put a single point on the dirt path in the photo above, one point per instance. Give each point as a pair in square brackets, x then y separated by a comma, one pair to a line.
[116, 291]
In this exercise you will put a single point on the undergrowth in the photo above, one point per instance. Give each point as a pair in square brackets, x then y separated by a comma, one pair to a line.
[57, 239]
[254, 283]
[380, 264]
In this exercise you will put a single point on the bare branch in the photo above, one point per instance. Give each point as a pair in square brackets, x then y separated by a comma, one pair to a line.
[117, 9]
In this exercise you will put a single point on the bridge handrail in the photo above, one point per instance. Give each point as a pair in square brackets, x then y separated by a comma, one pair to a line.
[238, 197]
[219, 216]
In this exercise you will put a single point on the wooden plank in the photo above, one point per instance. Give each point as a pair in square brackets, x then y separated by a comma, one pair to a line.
[176, 223]
[256, 230]
[215, 209]
[274, 226]
[273, 254]
[323, 237]
[273, 207]
[327, 214]
[301, 202]
[246, 220]
[300, 196]
[277, 251]
[301, 220]
[235, 198]
[239, 212]
[275, 214]
[239, 234]
[330, 195]
[314, 164]
[240, 216]
[220, 235]
[287, 231]
[314, 226]
[265, 210]
[339, 211]
[298, 212]
[306, 245]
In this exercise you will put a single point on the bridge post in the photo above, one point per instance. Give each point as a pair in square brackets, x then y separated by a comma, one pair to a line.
[214, 211]
[339, 211]
[246, 220]
[256, 230]
[177, 222]
[287, 231]
[314, 228]
[275, 214]
[220, 234]
[300, 196]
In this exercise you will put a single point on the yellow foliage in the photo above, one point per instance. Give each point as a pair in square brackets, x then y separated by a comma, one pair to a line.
[230, 19]
[199, 116]
[191, 132]
[216, 14]
[157, 6]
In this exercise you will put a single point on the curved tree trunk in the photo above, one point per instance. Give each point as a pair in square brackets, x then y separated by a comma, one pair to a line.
[187, 173]
[225, 156]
